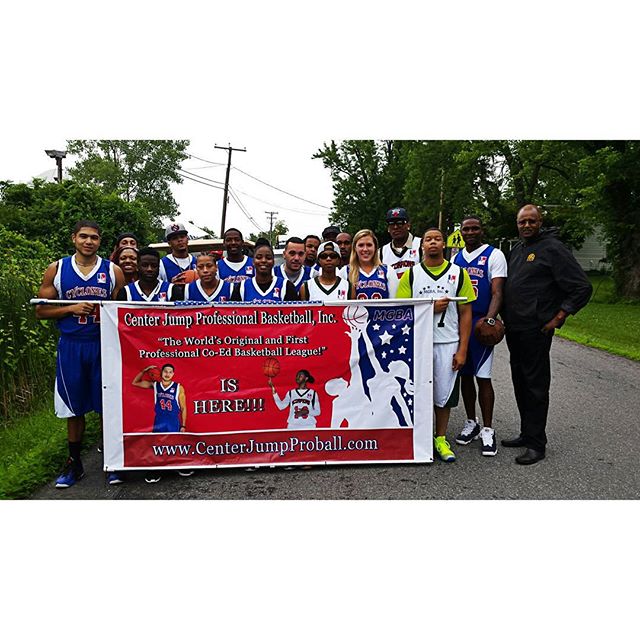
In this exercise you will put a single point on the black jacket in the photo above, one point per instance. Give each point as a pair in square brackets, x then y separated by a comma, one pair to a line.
[543, 278]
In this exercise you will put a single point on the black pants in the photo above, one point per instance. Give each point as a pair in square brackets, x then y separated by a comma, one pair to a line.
[531, 376]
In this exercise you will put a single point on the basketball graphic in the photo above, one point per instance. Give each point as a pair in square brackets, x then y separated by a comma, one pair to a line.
[355, 316]
[154, 374]
[271, 367]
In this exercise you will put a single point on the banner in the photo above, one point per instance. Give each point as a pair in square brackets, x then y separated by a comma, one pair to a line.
[268, 384]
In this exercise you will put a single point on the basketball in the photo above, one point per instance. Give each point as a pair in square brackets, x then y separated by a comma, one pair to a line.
[188, 276]
[488, 335]
[154, 374]
[271, 368]
[355, 316]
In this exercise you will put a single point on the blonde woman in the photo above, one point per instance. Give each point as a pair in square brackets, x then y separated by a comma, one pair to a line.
[370, 278]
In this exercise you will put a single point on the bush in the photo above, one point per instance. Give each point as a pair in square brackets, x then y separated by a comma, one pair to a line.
[27, 345]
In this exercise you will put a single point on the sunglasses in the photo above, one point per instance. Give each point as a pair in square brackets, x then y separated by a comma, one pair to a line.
[397, 223]
[328, 256]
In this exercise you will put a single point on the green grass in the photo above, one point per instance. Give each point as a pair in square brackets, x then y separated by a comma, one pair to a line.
[606, 323]
[33, 449]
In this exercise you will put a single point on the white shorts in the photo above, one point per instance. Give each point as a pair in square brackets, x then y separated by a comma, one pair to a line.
[444, 377]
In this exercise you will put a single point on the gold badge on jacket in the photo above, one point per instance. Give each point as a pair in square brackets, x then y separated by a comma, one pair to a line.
[531, 257]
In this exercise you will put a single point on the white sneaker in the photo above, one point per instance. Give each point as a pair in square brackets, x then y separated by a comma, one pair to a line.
[469, 432]
[489, 445]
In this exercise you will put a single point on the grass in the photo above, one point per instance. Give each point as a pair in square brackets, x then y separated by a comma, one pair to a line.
[33, 449]
[606, 323]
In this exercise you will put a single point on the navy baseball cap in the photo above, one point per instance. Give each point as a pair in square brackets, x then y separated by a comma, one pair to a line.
[397, 214]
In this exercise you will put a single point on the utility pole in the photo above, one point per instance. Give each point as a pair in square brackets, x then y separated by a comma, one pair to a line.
[271, 215]
[229, 148]
[440, 216]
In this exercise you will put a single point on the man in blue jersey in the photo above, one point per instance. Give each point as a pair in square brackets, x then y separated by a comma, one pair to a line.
[236, 266]
[170, 407]
[294, 268]
[174, 265]
[83, 279]
[487, 269]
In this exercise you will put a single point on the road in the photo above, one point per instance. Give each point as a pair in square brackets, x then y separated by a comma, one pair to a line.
[593, 452]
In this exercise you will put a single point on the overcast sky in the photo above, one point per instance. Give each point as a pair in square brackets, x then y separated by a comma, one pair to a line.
[285, 165]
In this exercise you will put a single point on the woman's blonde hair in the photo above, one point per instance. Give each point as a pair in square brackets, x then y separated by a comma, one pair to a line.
[354, 263]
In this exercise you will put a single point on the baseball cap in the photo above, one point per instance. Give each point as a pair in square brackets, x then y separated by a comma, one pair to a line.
[331, 229]
[398, 213]
[329, 246]
[174, 229]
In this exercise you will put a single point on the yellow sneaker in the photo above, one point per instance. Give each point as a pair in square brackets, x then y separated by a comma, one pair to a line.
[443, 449]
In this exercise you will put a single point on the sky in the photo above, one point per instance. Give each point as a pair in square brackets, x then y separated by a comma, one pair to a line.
[286, 165]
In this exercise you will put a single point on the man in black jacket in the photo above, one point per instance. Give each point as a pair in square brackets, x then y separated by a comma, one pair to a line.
[545, 285]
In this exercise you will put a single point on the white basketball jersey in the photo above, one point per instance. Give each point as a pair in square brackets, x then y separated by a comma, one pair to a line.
[406, 260]
[447, 284]
[339, 291]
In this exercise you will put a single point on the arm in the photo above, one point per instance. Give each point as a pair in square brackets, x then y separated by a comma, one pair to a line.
[497, 287]
[182, 399]
[177, 292]
[465, 315]
[143, 384]
[235, 294]
[281, 404]
[122, 295]
[53, 312]
[119, 283]
[572, 280]
[392, 283]
[304, 293]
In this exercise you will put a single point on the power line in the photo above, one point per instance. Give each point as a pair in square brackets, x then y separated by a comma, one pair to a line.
[304, 212]
[244, 210]
[262, 181]
[206, 184]
[281, 190]
[197, 175]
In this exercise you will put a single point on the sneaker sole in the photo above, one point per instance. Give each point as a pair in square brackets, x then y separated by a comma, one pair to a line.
[489, 453]
[67, 486]
[465, 442]
[151, 480]
[114, 482]
[186, 474]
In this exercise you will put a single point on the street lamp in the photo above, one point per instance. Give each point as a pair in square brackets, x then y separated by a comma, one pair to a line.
[57, 155]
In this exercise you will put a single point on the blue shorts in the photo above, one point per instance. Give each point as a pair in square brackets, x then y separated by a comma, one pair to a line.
[479, 357]
[78, 387]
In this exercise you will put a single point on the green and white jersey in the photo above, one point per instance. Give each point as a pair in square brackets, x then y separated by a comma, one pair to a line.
[444, 281]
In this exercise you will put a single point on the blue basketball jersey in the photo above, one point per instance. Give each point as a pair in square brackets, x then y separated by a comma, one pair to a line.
[249, 290]
[373, 286]
[167, 408]
[195, 292]
[305, 274]
[235, 271]
[169, 268]
[162, 292]
[478, 271]
[71, 284]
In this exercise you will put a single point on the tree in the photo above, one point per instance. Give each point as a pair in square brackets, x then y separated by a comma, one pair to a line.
[135, 170]
[47, 211]
[609, 191]
[279, 229]
[368, 179]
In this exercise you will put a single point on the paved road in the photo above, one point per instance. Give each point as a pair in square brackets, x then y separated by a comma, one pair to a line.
[593, 452]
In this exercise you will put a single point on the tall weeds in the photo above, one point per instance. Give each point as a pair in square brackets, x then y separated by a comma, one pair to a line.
[27, 345]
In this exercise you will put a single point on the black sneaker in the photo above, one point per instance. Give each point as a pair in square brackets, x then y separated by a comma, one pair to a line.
[489, 445]
[469, 432]
[71, 473]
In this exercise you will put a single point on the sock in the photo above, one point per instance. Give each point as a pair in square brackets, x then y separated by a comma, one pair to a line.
[74, 452]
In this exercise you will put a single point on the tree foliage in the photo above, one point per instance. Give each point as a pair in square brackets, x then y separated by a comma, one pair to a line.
[47, 211]
[279, 229]
[578, 184]
[135, 170]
